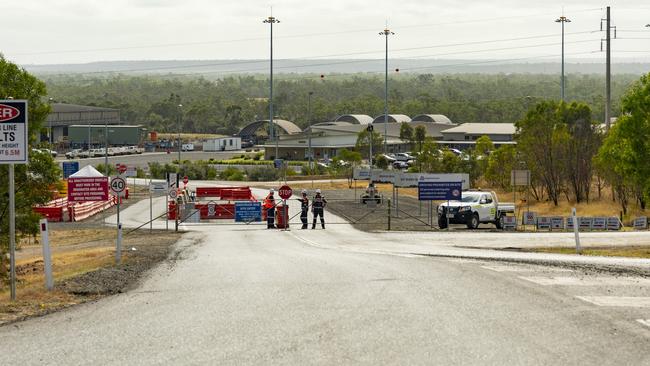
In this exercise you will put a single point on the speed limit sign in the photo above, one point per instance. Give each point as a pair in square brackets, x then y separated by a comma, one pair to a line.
[118, 186]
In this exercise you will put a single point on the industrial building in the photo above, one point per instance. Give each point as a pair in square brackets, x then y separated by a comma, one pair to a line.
[328, 138]
[122, 135]
[64, 115]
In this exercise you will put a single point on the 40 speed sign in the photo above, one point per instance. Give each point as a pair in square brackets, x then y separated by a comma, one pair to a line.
[118, 186]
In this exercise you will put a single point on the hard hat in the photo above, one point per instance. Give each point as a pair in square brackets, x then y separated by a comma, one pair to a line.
[304, 191]
[318, 191]
[271, 190]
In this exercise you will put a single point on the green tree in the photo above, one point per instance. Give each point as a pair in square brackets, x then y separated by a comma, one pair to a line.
[406, 133]
[500, 163]
[35, 180]
[429, 158]
[625, 153]
[381, 162]
[363, 142]
[349, 159]
[420, 135]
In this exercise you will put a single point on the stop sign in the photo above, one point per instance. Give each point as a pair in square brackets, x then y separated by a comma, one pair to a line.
[185, 180]
[285, 192]
[121, 168]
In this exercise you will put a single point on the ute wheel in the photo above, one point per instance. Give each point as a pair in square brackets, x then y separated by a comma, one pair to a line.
[442, 223]
[473, 222]
[499, 222]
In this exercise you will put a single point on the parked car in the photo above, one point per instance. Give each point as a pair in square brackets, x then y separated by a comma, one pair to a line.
[390, 157]
[72, 154]
[400, 164]
[475, 208]
[404, 157]
[97, 152]
[187, 147]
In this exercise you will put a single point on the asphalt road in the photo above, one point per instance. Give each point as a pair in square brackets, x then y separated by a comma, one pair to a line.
[141, 160]
[237, 294]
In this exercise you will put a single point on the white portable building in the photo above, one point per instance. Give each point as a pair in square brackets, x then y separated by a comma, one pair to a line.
[222, 144]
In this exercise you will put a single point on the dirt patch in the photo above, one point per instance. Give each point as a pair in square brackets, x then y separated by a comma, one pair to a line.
[84, 270]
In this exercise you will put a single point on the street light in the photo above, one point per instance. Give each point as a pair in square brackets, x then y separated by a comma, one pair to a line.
[311, 153]
[271, 20]
[180, 122]
[562, 20]
[386, 32]
[50, 125]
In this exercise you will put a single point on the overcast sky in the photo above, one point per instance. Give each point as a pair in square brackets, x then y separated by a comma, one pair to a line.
[79, 31]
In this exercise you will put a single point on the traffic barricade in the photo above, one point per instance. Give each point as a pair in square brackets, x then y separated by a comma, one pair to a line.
[282, 216]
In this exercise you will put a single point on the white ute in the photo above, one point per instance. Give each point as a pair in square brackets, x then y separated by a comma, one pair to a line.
[476, 207]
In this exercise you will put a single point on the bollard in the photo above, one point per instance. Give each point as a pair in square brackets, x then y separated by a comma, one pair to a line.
[47, 255]
[576, 230]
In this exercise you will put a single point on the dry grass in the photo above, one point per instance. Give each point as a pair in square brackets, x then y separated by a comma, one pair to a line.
[604, 206]
[631, 251]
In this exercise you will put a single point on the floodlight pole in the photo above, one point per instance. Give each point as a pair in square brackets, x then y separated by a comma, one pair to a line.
[386, 32]
[562, 20]
[311, 171]
[272, 20]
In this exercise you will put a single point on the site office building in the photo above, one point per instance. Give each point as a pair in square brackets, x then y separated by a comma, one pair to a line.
[222, 144]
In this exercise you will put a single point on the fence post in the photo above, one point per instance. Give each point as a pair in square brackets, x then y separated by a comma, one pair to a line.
[389, 214]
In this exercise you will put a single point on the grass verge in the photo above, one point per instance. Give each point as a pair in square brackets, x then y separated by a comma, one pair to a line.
[628, 251]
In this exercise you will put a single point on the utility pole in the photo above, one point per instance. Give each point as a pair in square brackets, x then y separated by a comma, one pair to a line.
[562, 20]
[272, 20]
[386, 32]
[608, 67]
[180, 123]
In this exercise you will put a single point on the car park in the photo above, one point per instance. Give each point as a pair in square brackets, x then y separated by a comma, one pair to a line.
[475, 208]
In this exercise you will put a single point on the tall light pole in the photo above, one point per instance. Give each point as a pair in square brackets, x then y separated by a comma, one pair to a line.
[386, 32]
[272, 20]
[50, 124]
[562, 20]
[311, 153]
[180, 123]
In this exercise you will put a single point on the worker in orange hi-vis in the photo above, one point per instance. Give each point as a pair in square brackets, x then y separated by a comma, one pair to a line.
[269, 206]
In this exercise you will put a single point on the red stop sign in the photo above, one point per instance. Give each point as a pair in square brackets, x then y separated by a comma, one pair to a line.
[185, 180]
[121, 168]
[285, 192]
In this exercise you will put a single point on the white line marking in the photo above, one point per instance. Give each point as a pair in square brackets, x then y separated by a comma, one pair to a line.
[637, 302]
[519, 268]
[465, 261]
[645, 322]
[589, 281]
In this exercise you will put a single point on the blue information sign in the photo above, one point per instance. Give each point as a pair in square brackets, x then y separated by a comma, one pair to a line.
[440, 191]
[248, 211]
[69, 168]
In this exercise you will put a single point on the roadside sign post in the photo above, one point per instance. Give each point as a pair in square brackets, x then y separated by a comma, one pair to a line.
[13, 125]
[285, 192]
[118, 186]
[440, 191]
[47, 255]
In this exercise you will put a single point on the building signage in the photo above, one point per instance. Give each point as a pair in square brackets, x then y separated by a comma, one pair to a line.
[361, 174]
[613, 223]
[557, 223]
[440, 191]
[413, 179]
[13, 132]
[641, 223]
[520, 177]
[87, 189]
[530, 218]
[248, 211]
[69, 168]
[543, 223]
[384, 176]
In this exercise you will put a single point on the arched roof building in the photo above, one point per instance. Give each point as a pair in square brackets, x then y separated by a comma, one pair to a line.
[433, 118]
[355, 119]
[392, 118]
[284, 127]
